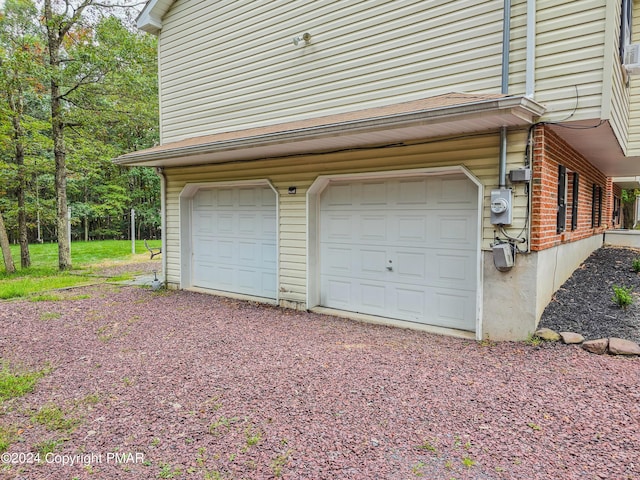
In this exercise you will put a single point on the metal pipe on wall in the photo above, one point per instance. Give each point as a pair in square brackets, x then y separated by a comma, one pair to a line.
[506, 37]
[530, 79]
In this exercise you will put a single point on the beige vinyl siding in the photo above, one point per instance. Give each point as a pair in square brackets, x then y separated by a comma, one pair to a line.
[229, 65]
[477, 153]
[634, 93]
[570, 57]
[615, 102]
[620, 107]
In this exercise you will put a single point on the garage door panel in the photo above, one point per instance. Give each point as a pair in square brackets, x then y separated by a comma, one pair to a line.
[371, 193]
[223, 197]
[411, 266]
[341, 195]
[203, 222]
[454, 310]
[337, 260]
[268, 225]
[269, 255]
[456, 269]
[411, 192]
[373, 295]
[338, 228]
[249, 225]
[371, 261]
[214, 276]
[373, 228]
[222, 249]
[267, 198]
[411, 229]
[247, 254]
[454, 231]
[249, 279]
[204, 199]
[395, 252]
[224, 224]
[336, 292]
[454, 193]
[411, 303]
[234, 240]
[248, 197]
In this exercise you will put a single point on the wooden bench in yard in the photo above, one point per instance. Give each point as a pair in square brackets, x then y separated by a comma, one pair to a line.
[154, 250]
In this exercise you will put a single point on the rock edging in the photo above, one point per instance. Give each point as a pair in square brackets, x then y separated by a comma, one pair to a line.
[612, 345]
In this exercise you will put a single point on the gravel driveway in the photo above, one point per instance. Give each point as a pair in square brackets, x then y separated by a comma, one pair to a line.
[186, 385]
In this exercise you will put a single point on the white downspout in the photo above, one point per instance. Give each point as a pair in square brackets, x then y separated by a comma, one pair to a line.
[163, 221]
[504, 89]
[530, 67]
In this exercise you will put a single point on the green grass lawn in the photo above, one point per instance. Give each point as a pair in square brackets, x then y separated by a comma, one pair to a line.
[44, 275]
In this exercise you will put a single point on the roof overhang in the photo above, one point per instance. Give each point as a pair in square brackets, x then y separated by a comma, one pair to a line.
[628, 183]
[596, 141]
[150, 19]
[445, 115]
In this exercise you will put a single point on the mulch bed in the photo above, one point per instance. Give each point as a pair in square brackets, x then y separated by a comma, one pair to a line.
[584, 302]
[187, 385]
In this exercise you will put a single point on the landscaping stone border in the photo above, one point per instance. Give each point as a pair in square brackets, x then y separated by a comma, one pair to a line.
[600, 346]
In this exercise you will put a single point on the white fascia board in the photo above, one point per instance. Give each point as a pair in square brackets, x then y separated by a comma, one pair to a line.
[150, 19]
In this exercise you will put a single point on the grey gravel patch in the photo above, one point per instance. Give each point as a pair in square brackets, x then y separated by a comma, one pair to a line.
[141, 268]
[203, 386]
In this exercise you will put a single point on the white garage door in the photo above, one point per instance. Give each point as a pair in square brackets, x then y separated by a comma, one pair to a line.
[404, 248]
[234, 240]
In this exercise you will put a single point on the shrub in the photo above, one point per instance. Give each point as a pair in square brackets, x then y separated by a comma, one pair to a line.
[622, 296]
[636, 264]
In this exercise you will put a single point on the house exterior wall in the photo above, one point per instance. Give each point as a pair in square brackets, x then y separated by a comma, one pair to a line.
[512, 301]
[479, 154]
[570, 57]
[361, 55]
[550, 151]
[616, 95]
[515, 300]
[369, 54]
[227, 66]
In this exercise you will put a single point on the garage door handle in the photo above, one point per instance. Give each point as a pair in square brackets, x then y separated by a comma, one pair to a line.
[389, 267]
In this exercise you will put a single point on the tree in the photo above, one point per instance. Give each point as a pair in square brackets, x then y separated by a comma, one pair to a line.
[20, 68]
[101, 91]
[628, 207]
[58, 26]
[6, 250]
[67, 35]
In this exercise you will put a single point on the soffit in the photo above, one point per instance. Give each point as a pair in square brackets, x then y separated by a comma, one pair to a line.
[596, 141]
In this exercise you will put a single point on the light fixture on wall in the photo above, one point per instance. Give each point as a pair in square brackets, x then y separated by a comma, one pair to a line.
[302, 38]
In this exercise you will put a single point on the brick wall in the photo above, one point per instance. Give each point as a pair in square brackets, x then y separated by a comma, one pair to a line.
[549, 152]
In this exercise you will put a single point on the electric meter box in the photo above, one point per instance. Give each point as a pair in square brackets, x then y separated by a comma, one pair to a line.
[502, 256]
[501, 203]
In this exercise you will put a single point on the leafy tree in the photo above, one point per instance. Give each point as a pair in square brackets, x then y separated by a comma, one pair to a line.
[118, 114]
[78, 70]
[628, 206]
[21, 52]
[107, 104]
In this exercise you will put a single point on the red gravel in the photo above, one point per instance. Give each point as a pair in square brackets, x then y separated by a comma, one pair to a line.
[199, 387]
